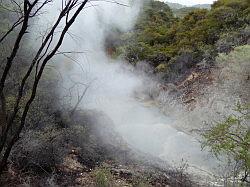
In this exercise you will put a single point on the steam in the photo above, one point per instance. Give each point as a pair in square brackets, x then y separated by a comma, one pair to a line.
[113, 88]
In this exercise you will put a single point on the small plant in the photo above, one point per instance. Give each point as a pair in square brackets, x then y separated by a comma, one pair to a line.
[231, 137]
[103, 178]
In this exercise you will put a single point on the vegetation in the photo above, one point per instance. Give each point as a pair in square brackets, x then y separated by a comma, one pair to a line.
[13, 117]
[103, 178]
[200, 39]
[175, 45]
[39, 136]
[231, 137]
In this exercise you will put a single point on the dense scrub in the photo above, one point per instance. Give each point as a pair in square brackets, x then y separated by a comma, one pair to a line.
[174, 46]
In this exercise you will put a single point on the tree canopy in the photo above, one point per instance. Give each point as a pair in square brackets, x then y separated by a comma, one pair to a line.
[161, 39]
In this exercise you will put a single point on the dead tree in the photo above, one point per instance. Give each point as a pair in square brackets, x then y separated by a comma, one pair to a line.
[70, 10]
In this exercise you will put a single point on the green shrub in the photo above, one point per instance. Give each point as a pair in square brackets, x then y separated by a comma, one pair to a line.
[103, 178]
[202, 32]
[231, 137]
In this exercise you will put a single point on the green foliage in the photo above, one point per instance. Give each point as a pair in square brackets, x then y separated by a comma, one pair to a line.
[103, 177]
[148, 39]
[158, 33]
[231, 137]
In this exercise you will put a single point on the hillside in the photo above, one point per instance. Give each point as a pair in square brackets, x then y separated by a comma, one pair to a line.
[174, 5]
[205, 6]
[174, 46]
[102, 94]
[182, 10]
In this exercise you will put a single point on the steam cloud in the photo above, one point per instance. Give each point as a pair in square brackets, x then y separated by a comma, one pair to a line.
[113, 86]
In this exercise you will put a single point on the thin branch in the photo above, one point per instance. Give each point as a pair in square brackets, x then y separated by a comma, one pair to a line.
[15, 25]
[37, 80]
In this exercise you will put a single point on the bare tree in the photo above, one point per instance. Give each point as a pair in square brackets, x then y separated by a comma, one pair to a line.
[70, 10]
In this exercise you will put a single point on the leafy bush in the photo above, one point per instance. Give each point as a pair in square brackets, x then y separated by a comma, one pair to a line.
[203, 33]
[231, 137]
[103, 178]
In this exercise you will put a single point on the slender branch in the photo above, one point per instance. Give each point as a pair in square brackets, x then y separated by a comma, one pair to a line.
[80, 98]
[15, 25]
[10, 59]
[37, 79]
[26, 76]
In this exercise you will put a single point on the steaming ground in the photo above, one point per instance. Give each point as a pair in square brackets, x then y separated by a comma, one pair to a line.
[143, 126]
[112, 86]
